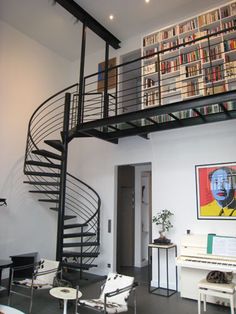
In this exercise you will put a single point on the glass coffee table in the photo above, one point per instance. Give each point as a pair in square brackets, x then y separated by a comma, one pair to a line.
[65, 293]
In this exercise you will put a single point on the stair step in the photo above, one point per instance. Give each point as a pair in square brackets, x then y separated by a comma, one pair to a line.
[75, 226]
[48, 200]
[67, 217]
[42, 164]
[42, 174]
[45, 192]
[79, 234]
[78, 254]
[57, 144]
[78, 265]
[42, 183]
[76, 244]
[47, 153]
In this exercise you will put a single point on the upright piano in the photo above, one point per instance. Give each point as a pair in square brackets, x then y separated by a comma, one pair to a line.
[194, 264]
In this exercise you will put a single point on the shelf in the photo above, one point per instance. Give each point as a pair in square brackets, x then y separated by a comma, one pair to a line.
[214, 62]
[219, 82]
[194, 77]
[146, 89]
[193, 58]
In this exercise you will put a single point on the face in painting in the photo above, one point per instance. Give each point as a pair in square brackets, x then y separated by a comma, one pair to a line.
[222, 186]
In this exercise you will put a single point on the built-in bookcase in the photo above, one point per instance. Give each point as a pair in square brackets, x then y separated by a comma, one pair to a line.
[182, 62]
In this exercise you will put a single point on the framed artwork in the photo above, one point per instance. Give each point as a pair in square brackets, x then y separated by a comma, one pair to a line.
[111, 75]
[216, 185]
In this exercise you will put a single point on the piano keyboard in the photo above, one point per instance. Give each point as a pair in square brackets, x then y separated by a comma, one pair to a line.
[206, 263]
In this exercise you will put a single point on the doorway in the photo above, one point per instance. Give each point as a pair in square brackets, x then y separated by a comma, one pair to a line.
[134, 219]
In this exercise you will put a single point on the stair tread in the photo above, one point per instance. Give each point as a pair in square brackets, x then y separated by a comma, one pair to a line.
[42, 183]
[78, 254]
[47, 153]
[45, 192]
[42, 174]
[66, 217]
[78, 234]
[57, 144]
[78, 265]
[75, 226]
[48, 200]
[43, 164]
[75, 244]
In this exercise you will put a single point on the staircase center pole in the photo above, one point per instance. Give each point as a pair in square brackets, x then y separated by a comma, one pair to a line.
[62, 196]
[81, 78]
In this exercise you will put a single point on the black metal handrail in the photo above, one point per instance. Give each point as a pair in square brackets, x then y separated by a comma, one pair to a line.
[166, 81]
[82, 201]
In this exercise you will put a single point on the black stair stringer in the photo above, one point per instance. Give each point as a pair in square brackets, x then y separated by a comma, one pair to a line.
[45, 168]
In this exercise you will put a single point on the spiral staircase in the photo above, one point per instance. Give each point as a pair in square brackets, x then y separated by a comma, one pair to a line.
[77, 204]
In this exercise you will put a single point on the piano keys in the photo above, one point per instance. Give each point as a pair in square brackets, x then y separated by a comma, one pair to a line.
[195, 264]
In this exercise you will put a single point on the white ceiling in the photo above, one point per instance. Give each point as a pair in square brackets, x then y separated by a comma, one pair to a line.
[55, 28]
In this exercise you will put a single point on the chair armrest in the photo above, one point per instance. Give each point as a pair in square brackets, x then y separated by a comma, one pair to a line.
[119, 291]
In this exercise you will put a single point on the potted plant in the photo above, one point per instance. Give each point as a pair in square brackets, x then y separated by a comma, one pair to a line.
[162, 218]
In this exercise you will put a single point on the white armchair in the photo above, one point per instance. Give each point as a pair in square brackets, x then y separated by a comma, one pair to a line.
[42, 278]
[114, 295]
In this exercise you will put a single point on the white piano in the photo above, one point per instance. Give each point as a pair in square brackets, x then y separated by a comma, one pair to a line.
[194, 264]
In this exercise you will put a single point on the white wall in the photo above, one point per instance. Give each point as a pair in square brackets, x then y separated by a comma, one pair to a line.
[173, 155]
[30, 73]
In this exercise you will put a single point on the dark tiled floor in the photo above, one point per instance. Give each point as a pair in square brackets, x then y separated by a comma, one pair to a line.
[146, 303]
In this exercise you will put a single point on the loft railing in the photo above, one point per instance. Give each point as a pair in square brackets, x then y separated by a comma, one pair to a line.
[196, 68]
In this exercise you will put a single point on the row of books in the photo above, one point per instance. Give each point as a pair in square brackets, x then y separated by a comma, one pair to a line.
[150, 68]
[169, 44]
[213, 54]
[151, 98]
[229, 24]
[171, 32]
[149, 53]
[190, 56]
[157, 37]
[190, 89]
[170, 66]
[230, 69]
[193, 70]
[213, 74]
[149, 83]
[151, 39]
[188, 26]
[230, 44]
[208, 18]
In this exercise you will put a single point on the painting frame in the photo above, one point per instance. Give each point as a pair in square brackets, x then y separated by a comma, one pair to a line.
[112, 75]
[216, 191]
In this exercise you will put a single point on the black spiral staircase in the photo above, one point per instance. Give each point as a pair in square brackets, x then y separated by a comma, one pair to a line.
[77, 204]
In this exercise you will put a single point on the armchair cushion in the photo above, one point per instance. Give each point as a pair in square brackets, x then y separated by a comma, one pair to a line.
[115, 293]
[111, 307]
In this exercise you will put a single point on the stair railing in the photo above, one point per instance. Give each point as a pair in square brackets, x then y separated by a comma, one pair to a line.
[81, 201]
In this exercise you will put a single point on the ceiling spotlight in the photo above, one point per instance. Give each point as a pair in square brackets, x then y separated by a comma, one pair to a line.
[111, 17]
[147, 1]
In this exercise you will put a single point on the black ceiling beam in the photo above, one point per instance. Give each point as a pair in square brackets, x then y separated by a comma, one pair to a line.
[83, 16]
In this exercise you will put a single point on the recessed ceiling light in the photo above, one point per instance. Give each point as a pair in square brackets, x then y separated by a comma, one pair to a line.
[147, 1]
[111, 17]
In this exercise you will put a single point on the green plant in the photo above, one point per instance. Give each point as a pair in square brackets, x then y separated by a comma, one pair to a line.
[163, 218]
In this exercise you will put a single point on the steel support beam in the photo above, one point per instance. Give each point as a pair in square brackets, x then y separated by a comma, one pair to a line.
[79, 13]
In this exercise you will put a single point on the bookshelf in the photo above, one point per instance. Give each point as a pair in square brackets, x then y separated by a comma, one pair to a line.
[176, 66]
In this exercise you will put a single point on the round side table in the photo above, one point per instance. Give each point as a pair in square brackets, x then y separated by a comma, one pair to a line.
[9, 310]
[65, 294]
